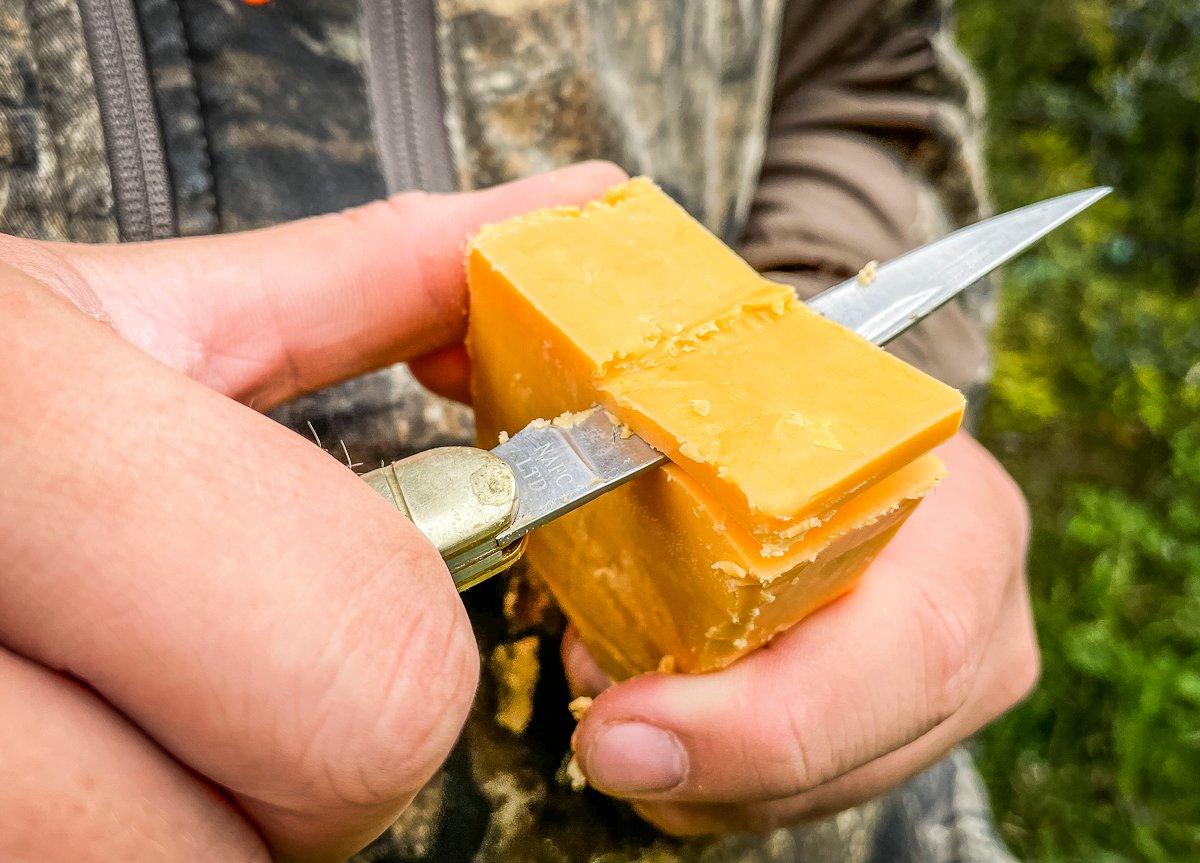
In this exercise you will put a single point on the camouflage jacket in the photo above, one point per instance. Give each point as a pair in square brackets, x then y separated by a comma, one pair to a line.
[813, 134]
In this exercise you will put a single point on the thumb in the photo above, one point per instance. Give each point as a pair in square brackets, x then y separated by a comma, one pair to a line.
[265, 315]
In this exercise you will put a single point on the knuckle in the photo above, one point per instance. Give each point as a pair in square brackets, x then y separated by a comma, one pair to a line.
[795, 748]
[1015, 504]
[402, 208]
[1023, 671]
[1027, 673]
[809, 756]
[1007, 495]
[408, 205]
[392, 710]
[1010, 681]
[401, 218]
[408, 219]
[950, 658]
[798, 750]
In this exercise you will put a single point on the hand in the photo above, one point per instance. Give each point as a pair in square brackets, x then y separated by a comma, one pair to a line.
[215, 641]
[934, 643]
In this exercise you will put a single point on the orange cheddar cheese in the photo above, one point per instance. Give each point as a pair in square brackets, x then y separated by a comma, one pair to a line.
[797, 448]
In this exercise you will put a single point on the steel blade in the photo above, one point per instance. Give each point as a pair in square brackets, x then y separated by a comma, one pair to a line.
[912, 286]
[565, 463]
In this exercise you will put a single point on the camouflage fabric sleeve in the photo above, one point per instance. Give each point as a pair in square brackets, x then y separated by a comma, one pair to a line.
[54, 180]
[872, 150]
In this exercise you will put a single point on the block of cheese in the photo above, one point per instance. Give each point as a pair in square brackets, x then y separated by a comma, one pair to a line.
[797, 448]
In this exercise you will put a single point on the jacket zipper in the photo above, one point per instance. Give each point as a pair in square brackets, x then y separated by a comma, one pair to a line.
[404, 80]
[141, 187]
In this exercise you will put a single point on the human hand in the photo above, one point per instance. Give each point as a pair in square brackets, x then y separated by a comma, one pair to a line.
[215, 641]
[935, 642]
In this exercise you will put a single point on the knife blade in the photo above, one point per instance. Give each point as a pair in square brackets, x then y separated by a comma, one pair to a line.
[912, 286]
[562, 464]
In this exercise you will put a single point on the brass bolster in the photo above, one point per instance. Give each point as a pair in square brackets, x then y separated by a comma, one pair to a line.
[461, 498]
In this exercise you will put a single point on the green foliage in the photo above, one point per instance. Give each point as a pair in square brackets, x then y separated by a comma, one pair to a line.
[1096, 410]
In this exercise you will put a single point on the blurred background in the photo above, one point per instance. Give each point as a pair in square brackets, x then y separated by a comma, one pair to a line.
[1096, 410]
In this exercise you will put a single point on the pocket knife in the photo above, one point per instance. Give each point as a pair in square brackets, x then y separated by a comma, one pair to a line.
[478, 506]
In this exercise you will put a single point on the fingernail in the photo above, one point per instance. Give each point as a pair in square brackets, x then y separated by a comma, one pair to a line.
[633, 758]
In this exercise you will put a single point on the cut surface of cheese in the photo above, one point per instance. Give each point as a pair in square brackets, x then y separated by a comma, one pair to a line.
[783, 439]
[797, 448]
[643, 573]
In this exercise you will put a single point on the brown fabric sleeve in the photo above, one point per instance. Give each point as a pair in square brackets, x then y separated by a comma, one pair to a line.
[871, 151]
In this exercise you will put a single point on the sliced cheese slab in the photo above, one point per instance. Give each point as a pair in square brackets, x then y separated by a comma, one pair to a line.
[797, 448]
[766, 411]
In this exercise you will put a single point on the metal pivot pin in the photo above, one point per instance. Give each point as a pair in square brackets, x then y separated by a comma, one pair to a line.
[461, 498]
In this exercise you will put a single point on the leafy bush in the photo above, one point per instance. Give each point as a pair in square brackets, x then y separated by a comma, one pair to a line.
[1096, 410]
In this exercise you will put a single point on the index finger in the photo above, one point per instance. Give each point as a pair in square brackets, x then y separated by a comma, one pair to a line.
[266, 315]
